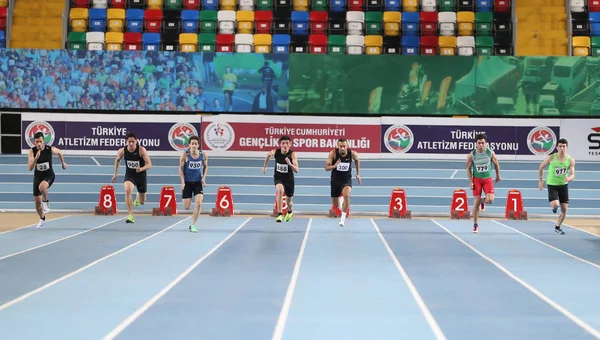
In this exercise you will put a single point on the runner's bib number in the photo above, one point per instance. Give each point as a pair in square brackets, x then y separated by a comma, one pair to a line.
[133, 164]
[482, 168]
[194, 165]
[43, 166]
[560, 171]
[343, 167]
[282, 168]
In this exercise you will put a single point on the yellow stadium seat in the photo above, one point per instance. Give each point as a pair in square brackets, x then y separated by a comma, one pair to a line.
[447, 45]
[245, 22]
[78, 17]
[155, 4]
[391, 23]
[3, 3]
[466, 21]
[581, 46]
[301, 5]
[116, 19]
[262, 43]
[373, 44]
[227, 5]
[114, 41]
[410, 5]
[188, 42]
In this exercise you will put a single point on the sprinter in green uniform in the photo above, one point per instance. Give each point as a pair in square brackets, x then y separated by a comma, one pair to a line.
[479, 171]
[561, 171]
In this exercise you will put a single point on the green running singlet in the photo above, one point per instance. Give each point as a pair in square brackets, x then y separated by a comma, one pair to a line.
[482, 164]
[558, 171]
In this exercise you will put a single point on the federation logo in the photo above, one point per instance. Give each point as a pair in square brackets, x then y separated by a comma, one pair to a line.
[219, 136]
[179, 136]
[541, 140]
[398, 139]
[39, 126]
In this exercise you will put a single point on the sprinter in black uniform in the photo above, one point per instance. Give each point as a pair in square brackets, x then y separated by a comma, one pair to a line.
[40, 159]
[137, 162]
[339, 163]
[286, 163]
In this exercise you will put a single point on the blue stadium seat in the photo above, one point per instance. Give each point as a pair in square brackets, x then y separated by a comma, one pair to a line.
[410, 23]
[410, 45]
[151, 41]
[189, 19]
[300, 23]
[135, 20]
[595, 23]
[281, 43]
[210, 5]
[97, 19]
[484, 5]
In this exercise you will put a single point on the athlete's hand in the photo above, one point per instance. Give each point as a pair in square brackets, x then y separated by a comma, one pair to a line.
[471, 186]
[203, 182]
[182, 186]
[64, 166]
[541, 185]
[137, 169]
[114, 178]
[498, 179]
[337, 163]
[264, 170]
[359, 179]
[287, 160]
[37, 154]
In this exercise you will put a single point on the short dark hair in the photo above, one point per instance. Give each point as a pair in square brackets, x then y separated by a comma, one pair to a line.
[342, 140]
[282, 138]
[38, 134]
[480, 136]
[196, 138]
[130, 135]
[562, 141]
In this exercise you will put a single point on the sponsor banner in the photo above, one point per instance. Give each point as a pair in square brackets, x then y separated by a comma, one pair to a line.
[424, 138]
[311, 136]
[583, 137]
[97, 135]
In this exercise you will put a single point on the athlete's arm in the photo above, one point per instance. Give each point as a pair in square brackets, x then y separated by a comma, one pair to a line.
[60, 155]
[205, 163]
[571, 171]
[357, 164]
[469, 168]
[269, 155]
[182, 160]
[117, 162]
[144, 154]
[294, 163]
[543, 166]
[496, 165]
[31, 160]
[328, 165]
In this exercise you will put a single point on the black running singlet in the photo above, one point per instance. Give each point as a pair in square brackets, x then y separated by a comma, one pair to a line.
[43, 167]
[132, 161]
[282, 170]
[343, 171]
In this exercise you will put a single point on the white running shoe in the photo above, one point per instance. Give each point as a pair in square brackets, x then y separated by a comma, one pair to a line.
[46, 208]
[41, 224]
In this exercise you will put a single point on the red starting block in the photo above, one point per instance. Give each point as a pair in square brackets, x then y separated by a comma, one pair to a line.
[224, 203]
[398, 204]
[337, 212]
[459, 208]
[167, 204]
[283, 208]
[107, 204]
[514, 206]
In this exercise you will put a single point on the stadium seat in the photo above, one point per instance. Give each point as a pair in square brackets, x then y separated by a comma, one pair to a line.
[189, 20]
[337, 6]
[207, 42]
[76, 4]
[78, 18]
[410, 45]
[99, 3]
[355, 44]
[337, 23]
[318, 22]
[151, 41]
[502, 6]
[577, 6]
[132, 41]
[428, 6]
[392, 45]
[299, 44]
[173, 5]
[594, 18]
[391, 23]
[262, 43]
[134, 19]
[466, 21]
[116, 19]
[355, 22]
[429, 45]
[318, 5]
[410, 23]
[263, 21]
[392, 5]
[245, 22]
[94, 41]
[171, 22]
[581, 27]
[373, 22]
[447, 23]
[76, 41]
[483, 23]
[191, 4]
[356, 5]
[410, 5]
[429, 23]
[264, 5]
[210, 5]
[503, 28]
[373, 44]
[169, 41]
[154, 4]
[97, 19]
[188, 42]
[300, 23]
[208, 21]
[336, 44]
[484, 6]
[226, 22]
[317, 43]
[484, 45]
[153, 20]
[225, 42]
[465, 45]
[227, 5]
[447, 5]
[281, 43]
[141, 4]
[118, 4]
[593, 6]
[465, 6]
[374, 6]
[114, 41]
[300, 5]
[3, 13]
[2, 39]
[246, 5]
[447, 45]
[581, 46]
[244, 43]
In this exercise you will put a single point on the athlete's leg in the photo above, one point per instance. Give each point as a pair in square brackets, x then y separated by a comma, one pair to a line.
[346, 194]
[488, 187]
[198, 201]
[563, 196]
[289, 197]
[128, 185]
[279, 197]
[142, 187]
[43, 188]
[553, 198]
[477, 189]
[336, 191]
[37, 199]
